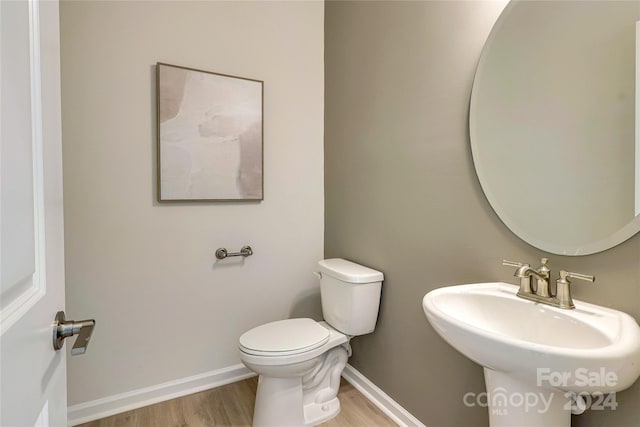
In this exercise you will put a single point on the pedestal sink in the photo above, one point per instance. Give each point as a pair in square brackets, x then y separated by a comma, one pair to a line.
[540, 362]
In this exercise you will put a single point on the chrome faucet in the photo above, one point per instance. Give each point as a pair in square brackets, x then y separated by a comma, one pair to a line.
[541, 293]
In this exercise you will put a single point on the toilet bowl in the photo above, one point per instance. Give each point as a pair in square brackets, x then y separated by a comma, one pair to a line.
[300, 361]
[290, 374]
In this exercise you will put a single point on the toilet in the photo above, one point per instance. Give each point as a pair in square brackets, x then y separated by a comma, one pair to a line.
[300, 361]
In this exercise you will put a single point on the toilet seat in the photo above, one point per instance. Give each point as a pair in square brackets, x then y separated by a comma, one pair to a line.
[284, 338]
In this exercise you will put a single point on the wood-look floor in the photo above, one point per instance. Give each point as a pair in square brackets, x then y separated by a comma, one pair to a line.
[232, 405]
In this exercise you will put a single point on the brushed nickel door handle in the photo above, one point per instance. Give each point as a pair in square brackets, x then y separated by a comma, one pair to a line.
[63, 328]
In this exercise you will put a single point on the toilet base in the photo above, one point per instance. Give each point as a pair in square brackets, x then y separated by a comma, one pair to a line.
[316, 413]
[303, 400]
[278, 403]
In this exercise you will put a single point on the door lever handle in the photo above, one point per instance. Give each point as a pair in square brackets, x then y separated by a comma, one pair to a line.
[63, 328]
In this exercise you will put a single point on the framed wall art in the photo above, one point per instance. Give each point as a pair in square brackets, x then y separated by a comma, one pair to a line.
[210, 136]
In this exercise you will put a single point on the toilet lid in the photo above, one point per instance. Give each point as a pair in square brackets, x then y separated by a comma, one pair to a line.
[284, 337]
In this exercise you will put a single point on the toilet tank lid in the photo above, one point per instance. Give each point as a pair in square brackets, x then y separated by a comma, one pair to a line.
[349, 271]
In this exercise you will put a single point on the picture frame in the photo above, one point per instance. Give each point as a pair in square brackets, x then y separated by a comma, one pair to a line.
[210, 135]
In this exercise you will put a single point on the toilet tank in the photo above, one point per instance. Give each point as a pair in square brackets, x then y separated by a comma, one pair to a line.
[350, 295]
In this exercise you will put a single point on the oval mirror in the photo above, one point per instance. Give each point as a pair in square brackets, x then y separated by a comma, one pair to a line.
[552, 123]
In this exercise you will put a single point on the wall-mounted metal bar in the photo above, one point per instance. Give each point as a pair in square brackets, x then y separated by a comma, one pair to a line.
[222, 253]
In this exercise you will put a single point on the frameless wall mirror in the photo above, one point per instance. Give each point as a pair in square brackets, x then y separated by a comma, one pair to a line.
[553, 123]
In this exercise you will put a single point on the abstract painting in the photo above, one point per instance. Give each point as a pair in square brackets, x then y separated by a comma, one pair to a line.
[210, 135]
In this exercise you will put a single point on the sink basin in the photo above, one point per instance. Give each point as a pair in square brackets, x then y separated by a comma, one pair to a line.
[528, 347]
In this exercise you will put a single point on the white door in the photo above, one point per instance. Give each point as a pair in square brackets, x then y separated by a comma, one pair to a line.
[32, 374]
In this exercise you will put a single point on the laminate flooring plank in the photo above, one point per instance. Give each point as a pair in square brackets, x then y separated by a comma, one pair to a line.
[357, 410]
[232, 405]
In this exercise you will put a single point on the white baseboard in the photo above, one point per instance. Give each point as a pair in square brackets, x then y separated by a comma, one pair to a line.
[116, 404]
[111, 405]
[386, 404]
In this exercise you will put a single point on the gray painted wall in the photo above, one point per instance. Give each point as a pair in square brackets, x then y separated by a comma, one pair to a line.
[401, 196]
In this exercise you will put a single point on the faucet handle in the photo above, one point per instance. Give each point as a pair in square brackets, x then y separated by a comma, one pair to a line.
[563, 289]
[564, 275]
[513, 263]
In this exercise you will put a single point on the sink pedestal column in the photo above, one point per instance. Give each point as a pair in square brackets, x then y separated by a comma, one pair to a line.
[513, 402]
